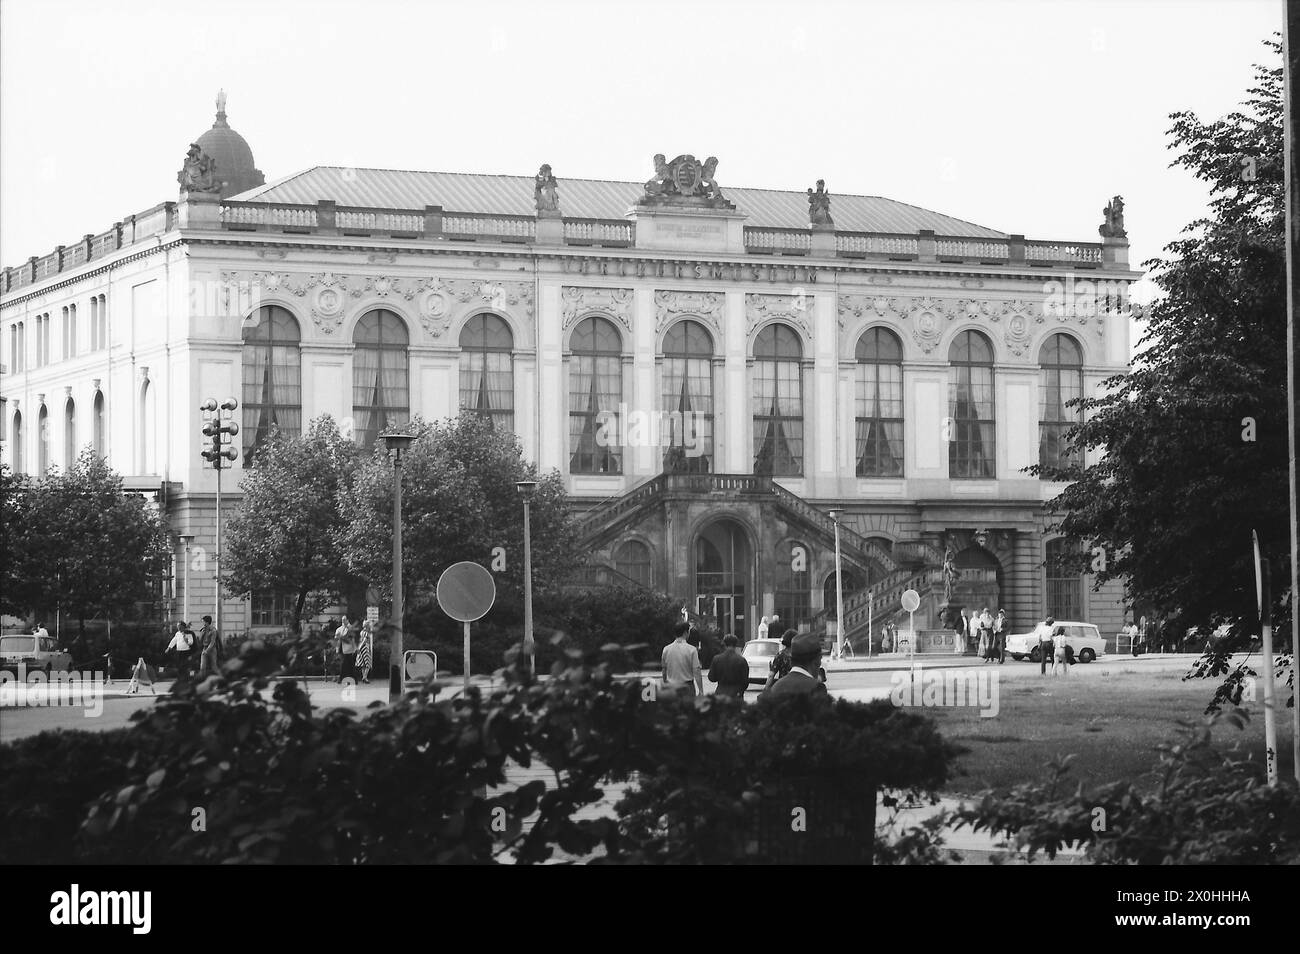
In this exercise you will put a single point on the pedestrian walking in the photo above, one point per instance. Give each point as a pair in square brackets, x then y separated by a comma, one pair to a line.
[209, 649]
[804, 677]
[366, 650]
[963, 632]
[347, 636]
[781, 664]
[182, 648]
[729, 669]
[1000, 633]
[681, 663]
[1059, 650]
[1045, 647]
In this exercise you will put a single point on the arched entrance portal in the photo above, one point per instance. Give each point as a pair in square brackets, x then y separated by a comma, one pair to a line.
[724, 572]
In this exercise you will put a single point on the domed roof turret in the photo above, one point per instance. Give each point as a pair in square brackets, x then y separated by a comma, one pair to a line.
[230, 152]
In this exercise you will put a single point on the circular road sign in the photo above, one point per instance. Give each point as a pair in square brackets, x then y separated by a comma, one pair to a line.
[466, 591]
[420, 664]
[911, 601]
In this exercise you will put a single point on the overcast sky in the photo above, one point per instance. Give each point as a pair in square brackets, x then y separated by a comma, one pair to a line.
[1022, 116]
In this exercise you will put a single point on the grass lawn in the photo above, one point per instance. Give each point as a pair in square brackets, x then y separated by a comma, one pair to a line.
[1110, 723]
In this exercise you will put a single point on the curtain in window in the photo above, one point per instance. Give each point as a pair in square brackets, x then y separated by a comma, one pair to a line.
[778, 423]
[595, 435]
[879, 423]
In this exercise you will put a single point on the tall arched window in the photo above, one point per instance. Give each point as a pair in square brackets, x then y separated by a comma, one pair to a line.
[487, 379]
[42, 440]
[16, 435]
[971, 449]
[1064, 580]
[595, 390]
[632, 559]
[793, 597]
[272, 377]
[686, 398]
[879, 407]
[778, 402]
[1060, 380]
[381, 389]
[70, 433]
[99, 424]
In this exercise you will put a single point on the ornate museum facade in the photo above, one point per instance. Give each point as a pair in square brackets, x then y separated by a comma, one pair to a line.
[712, 370]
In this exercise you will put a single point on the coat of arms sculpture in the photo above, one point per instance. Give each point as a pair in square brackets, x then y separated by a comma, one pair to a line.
[686, 183]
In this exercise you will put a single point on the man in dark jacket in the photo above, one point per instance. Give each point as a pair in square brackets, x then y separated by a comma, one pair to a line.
[729, 669]
[802, 679]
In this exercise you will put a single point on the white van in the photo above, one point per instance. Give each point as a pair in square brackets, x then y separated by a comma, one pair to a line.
[33, 652]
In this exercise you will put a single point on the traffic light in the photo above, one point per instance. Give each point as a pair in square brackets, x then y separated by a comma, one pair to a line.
[219, 430]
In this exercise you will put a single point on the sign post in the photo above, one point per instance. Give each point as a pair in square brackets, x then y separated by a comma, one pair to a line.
[1264, 600]
[466, 591]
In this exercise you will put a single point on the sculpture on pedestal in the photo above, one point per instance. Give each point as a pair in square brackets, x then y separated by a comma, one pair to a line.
[199, 174]
[684, 182]
[545, 192]
[950, 574]
[819, 205]
[1113, 227]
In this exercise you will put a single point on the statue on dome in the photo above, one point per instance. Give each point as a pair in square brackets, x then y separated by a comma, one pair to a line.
[199, 174]
[545, 192]
[819, 205]
[1113, 226]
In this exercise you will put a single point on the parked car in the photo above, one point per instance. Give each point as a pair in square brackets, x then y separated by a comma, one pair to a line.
[34, 652]
[759, 653]
[1082, 642]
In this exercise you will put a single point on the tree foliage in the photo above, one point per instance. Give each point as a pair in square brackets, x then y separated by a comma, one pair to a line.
[77, 541]
[286, 537]
[1195, 436]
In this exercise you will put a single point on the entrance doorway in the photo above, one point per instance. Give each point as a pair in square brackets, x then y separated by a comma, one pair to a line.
[724, 570]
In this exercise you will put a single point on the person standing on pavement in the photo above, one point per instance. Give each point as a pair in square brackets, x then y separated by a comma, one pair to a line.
[762, 628]
[40, 632]
[366, 650]
[1045, 647]
[782, 662]
[729, 669]
[182, 645]
[681, 663]
[803, 677]
[209, 649]
[1059, 651]
[347, 645]
[963, 632]
[1000, 626]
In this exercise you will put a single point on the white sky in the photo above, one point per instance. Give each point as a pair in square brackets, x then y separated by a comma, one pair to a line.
[1022, 116]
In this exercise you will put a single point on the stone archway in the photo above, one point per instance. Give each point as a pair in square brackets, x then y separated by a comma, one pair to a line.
[979, 581]
[723, 573]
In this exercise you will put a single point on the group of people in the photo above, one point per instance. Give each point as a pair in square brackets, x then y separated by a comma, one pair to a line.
[795, 670]
[355, 645]
[989, 633]
[1051, 645]
[204, 648]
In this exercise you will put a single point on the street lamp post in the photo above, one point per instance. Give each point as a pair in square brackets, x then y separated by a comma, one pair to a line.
[396, 442]
[185, 575]
[527, 489]
[839, 591]
[221, 430]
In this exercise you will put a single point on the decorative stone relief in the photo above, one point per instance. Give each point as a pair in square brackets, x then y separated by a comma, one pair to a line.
[327, 309]
[382, 258]
[1020, 321]
[867, 306]
[273, 253]
[927, 314]
[671, 305]
[797, 309]
[442, 301]
[577, 302]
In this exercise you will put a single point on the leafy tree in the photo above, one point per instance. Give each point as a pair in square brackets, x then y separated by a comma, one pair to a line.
[459, 502]
[1186, 476]
[286, 537]
[77, 541]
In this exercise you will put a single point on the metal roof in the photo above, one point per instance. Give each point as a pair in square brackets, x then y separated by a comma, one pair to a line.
[586, 198]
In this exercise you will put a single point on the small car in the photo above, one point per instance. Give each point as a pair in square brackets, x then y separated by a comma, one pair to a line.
[1082, 642]
[34, 652]
[759, 653]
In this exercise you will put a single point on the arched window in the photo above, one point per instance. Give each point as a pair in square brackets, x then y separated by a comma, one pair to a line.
[99, 424]
[272, 378]
[1060, 380]
[42, 440]
[595, 390]
[793, 597]
[1064, 580]
[686, 399]
[487, 377]
[381, 389]
[853, 582]
[70, 433]
[632, 559]
[879, 408]
[16, 435]
[778, 402]
[971, 407]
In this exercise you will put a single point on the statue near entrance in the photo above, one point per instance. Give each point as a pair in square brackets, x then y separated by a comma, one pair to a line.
[950, 574]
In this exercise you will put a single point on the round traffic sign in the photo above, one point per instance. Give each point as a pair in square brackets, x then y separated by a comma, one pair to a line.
[466, 591]
[420, 664]
[911, 601]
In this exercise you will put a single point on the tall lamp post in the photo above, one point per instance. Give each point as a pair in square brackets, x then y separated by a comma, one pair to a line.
[839, 590]
[220, 430]
[527, 490]
[186, 538]
[396, 443]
